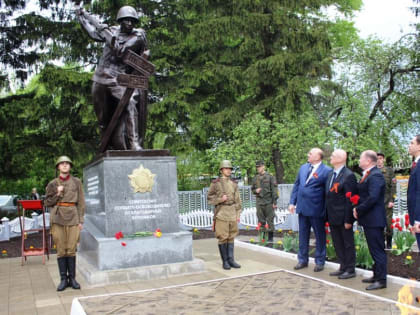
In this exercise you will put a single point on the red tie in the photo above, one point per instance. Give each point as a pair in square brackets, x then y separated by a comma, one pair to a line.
[413, 166]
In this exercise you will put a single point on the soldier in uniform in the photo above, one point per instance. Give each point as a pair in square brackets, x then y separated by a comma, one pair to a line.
[390, 189]
[64, 195]
[105, 90]
[224, 195]
[264, 186]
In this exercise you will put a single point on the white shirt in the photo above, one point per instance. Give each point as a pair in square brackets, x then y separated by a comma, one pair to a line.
[314, 168]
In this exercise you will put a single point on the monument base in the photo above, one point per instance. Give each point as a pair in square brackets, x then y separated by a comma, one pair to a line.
[108, 253]
[96, 277]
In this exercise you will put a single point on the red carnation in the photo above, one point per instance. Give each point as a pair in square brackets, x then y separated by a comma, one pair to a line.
[327, 224]
[119, 235]
[348, 194]
[326, 231]
[157, 230]
[355, 199]
[123, 243]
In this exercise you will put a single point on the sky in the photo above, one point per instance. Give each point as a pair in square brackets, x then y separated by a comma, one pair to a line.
[387, 19]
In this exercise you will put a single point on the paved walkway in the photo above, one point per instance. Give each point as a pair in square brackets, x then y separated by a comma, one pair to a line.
[265, 283]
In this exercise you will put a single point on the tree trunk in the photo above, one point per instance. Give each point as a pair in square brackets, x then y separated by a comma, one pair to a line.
[278, 166]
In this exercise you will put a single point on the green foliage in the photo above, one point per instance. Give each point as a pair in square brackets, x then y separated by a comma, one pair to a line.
[331, 254]
[404, 240]
[291, 243]
[363, 257]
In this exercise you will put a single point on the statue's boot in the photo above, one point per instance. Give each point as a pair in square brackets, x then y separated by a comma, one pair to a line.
[133, 132]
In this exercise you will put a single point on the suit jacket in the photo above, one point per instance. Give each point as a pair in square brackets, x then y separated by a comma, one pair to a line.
[413, 195]
[309, 198]
[339, 209]
[371, 207]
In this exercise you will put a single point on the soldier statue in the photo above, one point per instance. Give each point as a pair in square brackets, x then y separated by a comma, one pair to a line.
[64, 196]
[264, 187]
[106, 90]
[390, 190]
[224, 195]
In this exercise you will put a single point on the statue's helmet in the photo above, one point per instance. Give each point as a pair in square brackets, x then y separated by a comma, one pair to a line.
[225, 164]
[127, 12]
[62, 159]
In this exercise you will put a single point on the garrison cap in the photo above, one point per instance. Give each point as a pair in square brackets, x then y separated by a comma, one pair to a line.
[259, 163]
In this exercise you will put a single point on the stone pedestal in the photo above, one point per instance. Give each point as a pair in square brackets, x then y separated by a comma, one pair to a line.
[132, 192]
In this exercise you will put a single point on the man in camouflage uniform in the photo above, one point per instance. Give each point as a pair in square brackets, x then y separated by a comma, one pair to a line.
[388, 173]
[264, 186]
[64, 196]
[224, 195]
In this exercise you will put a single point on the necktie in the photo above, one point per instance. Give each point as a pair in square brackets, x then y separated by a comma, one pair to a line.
[333, 179]
[309, 172]
[364, 176]
[413, 166]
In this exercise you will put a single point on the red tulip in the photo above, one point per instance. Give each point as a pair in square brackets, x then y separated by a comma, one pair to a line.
[355, 199]
[259, 223]
[328, 241]
[393, 220]
[266, 226]
[263, 241]
[392, 226]
[157, 230]
[327, 224]
[258, 228]
[400, 228]
[119, 235]
[348, 194]
[397, 219]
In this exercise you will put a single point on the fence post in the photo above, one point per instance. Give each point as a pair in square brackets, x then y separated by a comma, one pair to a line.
[6, 229]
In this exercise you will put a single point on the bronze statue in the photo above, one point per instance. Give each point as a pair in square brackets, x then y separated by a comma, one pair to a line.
[119, 87]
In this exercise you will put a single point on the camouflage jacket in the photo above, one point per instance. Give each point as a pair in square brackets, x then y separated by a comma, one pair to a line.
[269, 191]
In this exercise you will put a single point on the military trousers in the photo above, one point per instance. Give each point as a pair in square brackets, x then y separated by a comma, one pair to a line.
[226, 231]
[65, 238]
[265, 214]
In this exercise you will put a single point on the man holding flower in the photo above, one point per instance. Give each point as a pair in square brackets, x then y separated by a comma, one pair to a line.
[370, 213]
[340, 184]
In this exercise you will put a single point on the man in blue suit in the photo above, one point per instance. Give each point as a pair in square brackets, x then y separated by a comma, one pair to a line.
[308, 200]
[413, 193]
[370, 212]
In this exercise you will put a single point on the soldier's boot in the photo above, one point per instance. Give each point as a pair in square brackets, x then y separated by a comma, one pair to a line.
[133, 133]
[270, 237]
[62, 268]
[231, 259]
[71, 265]
[224, 255]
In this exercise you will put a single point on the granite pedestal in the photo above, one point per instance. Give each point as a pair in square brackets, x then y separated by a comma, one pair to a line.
[132, 193]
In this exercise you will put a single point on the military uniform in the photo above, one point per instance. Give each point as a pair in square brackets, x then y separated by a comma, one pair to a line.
[67, 210]
[66, 213]
[227, 214]
[266, 198]
[390, 190]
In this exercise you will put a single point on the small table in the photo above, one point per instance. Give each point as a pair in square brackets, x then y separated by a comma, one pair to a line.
[32, 205]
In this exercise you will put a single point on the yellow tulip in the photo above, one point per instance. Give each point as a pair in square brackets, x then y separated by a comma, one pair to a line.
[394, 247]
[4, 251]
[195, 230]
[280, 230]
[251, 240]
[408, 257]
[279, 242]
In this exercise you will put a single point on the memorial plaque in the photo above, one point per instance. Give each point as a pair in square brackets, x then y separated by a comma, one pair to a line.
[139, 63]
[133, 81]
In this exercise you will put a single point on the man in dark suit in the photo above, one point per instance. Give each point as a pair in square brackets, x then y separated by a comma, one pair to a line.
[340, 213]
[308, 199]
[413, 193]
[370, 212]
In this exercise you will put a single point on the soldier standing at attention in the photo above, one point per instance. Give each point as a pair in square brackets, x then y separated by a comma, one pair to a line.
[264, 186]
[390, 190]
[64, 195]
[224, 195]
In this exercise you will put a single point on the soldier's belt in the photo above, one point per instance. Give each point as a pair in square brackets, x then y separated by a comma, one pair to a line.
[66, 204]
[228, 203]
